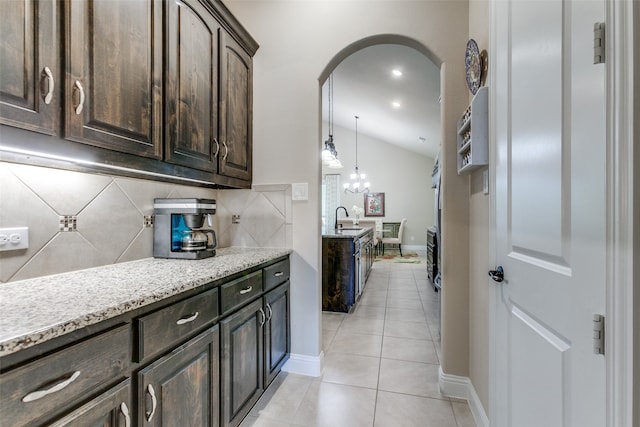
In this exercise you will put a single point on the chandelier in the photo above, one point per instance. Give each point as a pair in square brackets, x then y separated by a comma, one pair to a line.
[329, 154]
[358, 183]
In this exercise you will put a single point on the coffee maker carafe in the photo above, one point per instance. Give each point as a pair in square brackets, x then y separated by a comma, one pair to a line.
[178, 228]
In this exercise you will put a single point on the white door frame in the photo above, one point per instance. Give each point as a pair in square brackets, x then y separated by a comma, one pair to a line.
[619, 16]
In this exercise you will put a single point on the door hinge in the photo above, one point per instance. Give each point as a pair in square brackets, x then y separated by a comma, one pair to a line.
[598, 334]
[598, 43]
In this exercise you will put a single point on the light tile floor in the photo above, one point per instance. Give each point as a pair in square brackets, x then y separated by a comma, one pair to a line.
[380, 366]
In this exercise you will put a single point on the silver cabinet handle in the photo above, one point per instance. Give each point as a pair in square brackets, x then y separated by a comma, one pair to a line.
[226, 151]
[125, 413]
[246, 290]
[189, 319]
[77, 85]
[278, 274]
[217, 147]
[39, 394]
[264, 317]
[154, 402]
[46, 72]
[270, 312]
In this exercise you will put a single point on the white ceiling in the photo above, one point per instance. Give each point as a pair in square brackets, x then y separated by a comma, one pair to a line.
[365, 87]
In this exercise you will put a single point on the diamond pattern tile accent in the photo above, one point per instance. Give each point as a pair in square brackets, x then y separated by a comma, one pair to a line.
[68, 223]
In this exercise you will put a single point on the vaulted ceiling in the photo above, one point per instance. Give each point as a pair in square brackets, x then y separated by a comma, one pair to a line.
[364, 85]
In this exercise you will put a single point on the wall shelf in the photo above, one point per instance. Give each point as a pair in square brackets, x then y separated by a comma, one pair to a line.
[473, 134]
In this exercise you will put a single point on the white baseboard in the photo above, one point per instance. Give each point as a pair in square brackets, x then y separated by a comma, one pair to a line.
[302, 364]
[462, 388]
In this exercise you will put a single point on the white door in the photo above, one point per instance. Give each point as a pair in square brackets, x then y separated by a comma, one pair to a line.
[550, 214]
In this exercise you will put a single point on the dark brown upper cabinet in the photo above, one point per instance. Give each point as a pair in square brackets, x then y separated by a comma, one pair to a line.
[236, 74]
[113, 93]
[158, 87]
[30, 74]
[191, 104]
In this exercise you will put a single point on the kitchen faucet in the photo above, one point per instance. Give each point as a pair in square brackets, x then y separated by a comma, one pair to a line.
[346, 213]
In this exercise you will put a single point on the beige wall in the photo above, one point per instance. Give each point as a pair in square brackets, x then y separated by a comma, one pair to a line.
[479, 227]
[301, 41]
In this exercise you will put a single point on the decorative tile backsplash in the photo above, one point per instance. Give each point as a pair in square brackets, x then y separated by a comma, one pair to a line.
[112, 218]
[264, 217]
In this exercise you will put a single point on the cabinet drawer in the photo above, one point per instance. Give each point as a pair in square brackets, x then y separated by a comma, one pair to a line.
[45, 387]
[276, 274]
[240, 291]
[161, 329]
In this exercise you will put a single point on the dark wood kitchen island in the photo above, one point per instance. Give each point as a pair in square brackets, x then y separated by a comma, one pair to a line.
[347, 257]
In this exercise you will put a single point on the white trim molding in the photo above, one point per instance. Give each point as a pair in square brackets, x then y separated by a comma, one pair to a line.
[620, 216]
[462, 388]
[302, 364]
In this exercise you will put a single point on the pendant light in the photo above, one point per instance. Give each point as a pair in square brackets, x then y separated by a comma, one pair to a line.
[329, 154]
[358, 183]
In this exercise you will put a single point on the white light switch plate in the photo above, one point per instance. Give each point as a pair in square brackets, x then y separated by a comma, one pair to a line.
[300, 191]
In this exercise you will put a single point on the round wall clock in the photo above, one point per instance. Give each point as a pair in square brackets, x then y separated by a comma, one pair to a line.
[473, 66]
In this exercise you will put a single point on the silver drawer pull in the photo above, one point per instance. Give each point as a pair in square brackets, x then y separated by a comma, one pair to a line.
[125, 413]
[39, 394]
[46, 72]
[154, 402]
[278, 274]
[78, 108]
[187, 319]
[246, 290]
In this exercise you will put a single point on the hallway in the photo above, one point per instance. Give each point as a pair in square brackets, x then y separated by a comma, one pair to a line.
[381, 363]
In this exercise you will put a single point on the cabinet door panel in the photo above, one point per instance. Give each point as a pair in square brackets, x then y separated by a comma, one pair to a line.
[236, 73]
[115, 73]
[192, 86]
[30, 65]
[182, 388]
[277, 333]
[242, 362]
[110, 409]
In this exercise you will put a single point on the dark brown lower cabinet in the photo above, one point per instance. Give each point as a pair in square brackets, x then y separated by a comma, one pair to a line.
[185, 372]
[182, 388]
[242, 358]
[110, 409]
[277, 335]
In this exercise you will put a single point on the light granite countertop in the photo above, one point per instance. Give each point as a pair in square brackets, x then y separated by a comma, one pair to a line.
[345, 233]
[36, 310]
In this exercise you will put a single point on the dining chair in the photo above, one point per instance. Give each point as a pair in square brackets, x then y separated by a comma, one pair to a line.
[395, 240]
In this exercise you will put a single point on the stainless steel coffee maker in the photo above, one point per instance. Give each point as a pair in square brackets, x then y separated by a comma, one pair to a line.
[178, 228]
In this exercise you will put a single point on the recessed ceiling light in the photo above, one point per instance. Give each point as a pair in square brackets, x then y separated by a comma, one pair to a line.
[395, 104]
[396, 72]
